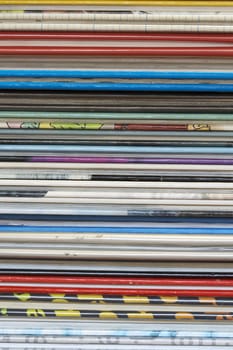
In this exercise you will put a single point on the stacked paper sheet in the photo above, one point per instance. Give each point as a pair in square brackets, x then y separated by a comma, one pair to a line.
[116, 194]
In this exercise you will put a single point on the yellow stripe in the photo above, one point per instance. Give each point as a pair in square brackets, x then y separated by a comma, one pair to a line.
[141, 315]
[22, 296]
[42, 125]
[135, 300]
[119, 2]
[35, 313]
[209, 300]
[199, 127]
[184, 315]
[4, 312]
[58, 298]
[57, 295]
[90, 297]
[107, 315]
[71, 125]
[67, 313]
[169, 299]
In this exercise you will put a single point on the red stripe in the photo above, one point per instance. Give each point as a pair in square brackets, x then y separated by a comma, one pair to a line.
[134, 36]
[118, 51]
[117, 280]
[151, 127]
[118, 291]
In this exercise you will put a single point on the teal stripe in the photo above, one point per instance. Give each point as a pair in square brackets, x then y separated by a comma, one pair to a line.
[104, 115]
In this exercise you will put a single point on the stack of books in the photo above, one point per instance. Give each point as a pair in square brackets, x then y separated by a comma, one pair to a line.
[116, 180]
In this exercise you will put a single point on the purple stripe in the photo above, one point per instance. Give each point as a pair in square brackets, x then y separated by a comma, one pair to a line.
[58, 159]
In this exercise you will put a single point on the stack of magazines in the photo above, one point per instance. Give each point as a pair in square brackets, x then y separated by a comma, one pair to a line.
[116, 175]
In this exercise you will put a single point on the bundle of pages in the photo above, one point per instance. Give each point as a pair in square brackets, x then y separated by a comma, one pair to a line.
[116, 175]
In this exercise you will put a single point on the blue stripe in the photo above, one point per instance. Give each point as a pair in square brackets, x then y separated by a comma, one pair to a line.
[118, 230]
[129, 74]
[70, 86]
